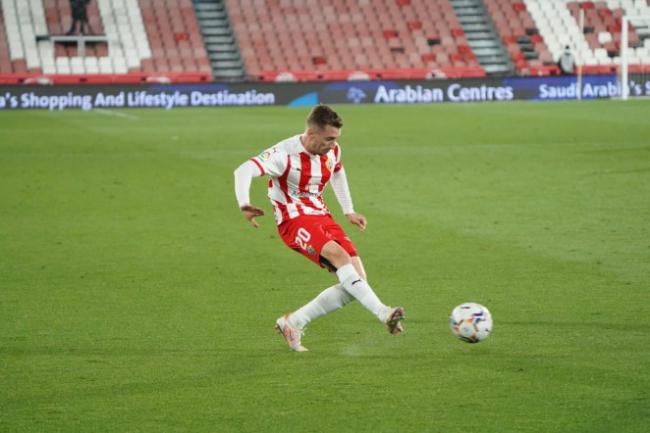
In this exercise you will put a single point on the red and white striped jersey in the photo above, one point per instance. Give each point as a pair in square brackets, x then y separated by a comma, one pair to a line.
[297, 178]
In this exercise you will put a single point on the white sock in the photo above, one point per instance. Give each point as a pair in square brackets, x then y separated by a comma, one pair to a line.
[330, 299]
[359, 288]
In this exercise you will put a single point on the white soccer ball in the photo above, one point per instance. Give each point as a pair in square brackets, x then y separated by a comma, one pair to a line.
[471, 322]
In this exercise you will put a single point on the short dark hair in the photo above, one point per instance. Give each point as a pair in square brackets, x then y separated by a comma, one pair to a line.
[322, 116]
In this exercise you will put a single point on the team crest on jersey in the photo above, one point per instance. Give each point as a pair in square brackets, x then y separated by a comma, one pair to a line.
[311, 251]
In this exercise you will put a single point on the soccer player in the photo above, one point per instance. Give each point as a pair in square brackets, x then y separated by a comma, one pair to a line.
[299, 169]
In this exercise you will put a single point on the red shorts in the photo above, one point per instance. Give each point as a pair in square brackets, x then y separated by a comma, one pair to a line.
[308, 234]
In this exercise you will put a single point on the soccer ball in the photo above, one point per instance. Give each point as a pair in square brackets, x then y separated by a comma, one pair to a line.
[471, 322]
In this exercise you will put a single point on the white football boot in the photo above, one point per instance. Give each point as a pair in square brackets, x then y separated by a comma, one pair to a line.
[291, 335]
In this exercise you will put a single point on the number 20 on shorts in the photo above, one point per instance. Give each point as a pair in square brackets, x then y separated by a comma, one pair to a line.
[302, 238]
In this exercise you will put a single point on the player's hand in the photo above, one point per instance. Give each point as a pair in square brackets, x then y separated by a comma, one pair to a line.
[357, 219]
[250, 212]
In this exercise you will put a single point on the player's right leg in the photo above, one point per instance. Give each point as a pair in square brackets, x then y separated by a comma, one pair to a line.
[357, 286]
[358, 266]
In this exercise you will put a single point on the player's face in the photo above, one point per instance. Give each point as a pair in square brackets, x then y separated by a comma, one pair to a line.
[322, 140]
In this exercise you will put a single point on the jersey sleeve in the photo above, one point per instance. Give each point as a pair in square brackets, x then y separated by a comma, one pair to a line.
[273, 161]
[338, 165]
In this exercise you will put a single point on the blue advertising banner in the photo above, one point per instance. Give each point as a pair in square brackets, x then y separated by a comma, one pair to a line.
[170, 96]
[482, 90]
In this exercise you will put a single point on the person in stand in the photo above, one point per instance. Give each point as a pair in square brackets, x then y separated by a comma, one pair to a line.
[566, 63]
[79, 12]
[299, 168]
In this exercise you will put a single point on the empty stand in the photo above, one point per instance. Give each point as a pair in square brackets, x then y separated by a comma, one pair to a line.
[312, 39]
[145, 38]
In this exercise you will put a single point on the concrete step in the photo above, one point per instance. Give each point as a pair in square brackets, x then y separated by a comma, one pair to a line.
[486, 43]
[225, 56]
[216, 14]
[472, 19]
[227, 39]
[221, 48]
[496, 69]
[213, 22]
[477, 28]
[216, 31]
[489, 52]
[226, 64]
[491, 59]
[468, 10]
[209, 7]
[463, 3]
[479, 36]
[229, 74]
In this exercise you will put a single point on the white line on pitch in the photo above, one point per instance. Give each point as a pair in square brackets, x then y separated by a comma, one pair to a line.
[116, 114]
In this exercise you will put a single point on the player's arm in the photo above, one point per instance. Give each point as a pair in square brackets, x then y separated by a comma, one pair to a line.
[342, 192]
[244, 175]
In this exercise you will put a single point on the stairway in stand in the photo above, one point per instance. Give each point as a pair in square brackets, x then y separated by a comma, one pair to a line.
[219, 40]
[482, 36]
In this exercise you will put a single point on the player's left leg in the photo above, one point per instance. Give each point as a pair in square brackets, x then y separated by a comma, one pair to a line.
[328, 301]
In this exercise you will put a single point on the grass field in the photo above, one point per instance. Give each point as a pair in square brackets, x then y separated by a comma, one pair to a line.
[135, 298]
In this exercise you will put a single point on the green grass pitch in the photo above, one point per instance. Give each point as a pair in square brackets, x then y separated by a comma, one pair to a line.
[134, 297]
